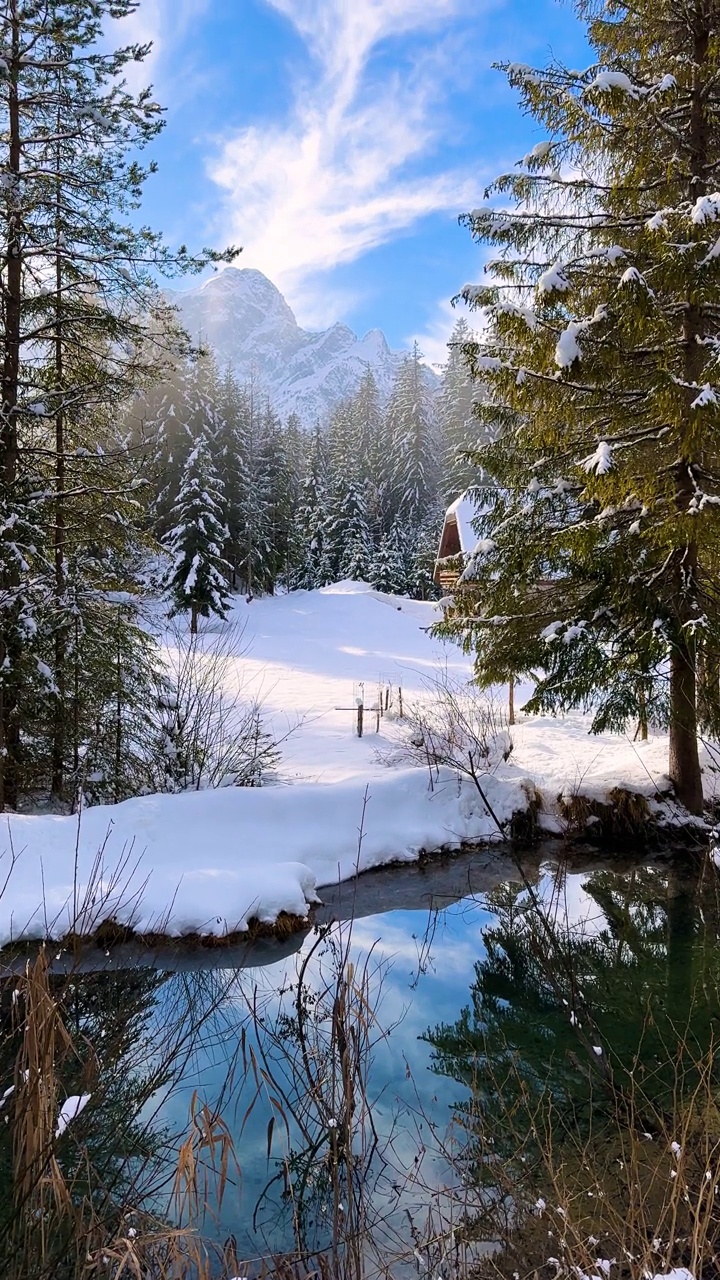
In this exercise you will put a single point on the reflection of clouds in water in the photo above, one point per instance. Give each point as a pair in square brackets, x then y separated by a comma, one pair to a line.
[568, 905]
[422, 968]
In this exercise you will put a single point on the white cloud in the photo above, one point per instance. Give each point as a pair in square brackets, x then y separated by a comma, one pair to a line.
[330, 182]
[163, 24]
[434, 338]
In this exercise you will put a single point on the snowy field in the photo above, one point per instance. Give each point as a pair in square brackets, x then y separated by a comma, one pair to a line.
[208, 861]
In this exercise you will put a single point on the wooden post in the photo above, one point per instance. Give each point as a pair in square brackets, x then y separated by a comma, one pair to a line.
[387, 696]
[360, 712]
[378, 710]
[400, 697]
[511, 700]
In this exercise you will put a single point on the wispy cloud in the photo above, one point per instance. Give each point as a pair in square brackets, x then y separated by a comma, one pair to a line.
[163, 24]
[348, 168]
[433, 339]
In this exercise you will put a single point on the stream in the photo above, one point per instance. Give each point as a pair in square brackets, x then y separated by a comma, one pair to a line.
[388, 1020]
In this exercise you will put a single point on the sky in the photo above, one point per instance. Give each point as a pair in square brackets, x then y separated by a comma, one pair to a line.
[337, 141]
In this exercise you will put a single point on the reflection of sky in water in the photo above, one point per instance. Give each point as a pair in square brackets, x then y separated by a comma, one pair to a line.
[427, 967]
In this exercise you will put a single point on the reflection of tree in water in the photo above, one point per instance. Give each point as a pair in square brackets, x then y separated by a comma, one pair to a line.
[124, 1038]
[591, 1128]
[639, 982]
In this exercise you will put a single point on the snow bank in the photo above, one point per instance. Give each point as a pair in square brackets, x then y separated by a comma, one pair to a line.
[210, 861]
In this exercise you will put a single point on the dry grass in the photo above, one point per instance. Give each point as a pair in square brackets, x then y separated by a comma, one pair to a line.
[624, 817]
[67, 1221]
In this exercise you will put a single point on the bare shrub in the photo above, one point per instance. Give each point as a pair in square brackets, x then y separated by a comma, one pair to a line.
[453, 724]
[209, 733]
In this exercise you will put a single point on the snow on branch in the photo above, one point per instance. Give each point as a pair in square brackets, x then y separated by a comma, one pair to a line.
[553, 280]
[706, 209]
[599, 462]
[539, 153]
[568, 348]
[606, 81]
[635, 279]
[705, 397]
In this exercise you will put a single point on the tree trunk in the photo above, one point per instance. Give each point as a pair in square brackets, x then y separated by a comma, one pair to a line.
[9, 727]
[642, 729]
[57, 781]
[193, 619]
[684, 763]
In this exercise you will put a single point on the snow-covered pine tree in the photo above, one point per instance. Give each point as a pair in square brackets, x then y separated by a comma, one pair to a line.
[459, 426]
[421, 576]
[602, 353]
[230, 447]
[351, 534]
[278, 484]
[348, 542]
[156, 426]
[170, 417]
[79, 293]
[197, 579]
[387, 572]
[295, 450]
[255, 540]
[311, 521]
[411, 473]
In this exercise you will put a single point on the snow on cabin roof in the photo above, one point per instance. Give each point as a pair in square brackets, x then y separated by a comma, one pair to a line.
[463, 511]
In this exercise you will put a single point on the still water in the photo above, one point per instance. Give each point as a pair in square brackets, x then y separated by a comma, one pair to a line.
[390, 1027]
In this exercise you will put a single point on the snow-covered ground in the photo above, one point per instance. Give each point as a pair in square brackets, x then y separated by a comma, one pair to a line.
[210, 860]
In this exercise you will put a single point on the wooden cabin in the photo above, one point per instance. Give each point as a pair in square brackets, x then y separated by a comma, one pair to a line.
[457, 541]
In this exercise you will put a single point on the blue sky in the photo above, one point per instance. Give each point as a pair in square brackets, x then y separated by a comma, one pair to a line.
[337, 141]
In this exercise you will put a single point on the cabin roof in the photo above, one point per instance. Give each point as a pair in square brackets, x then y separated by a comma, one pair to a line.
[463, 511]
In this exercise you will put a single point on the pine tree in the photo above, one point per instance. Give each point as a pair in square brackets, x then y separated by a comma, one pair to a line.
[388, 569]
[427, 540]
[84, 323]
[347, 535]
[312, 518]
[348, 549]
[230, 447]
[601, 356]
[197, 580]
[255, 544]
[459, 425]
[411, 474]
[279, 487]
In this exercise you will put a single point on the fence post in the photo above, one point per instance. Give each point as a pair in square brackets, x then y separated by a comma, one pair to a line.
[400, 699]
[360, 712]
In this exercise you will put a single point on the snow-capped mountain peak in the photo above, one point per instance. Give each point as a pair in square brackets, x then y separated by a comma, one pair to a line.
[245, 319]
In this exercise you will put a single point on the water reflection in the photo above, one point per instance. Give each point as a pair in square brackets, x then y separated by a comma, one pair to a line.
[349, 1118]
[589, 978]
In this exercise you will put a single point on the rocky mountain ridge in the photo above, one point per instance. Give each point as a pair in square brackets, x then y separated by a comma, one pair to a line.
[245, 319]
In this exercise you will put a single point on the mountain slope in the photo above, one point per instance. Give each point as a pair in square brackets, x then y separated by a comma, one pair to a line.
[249, 325]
